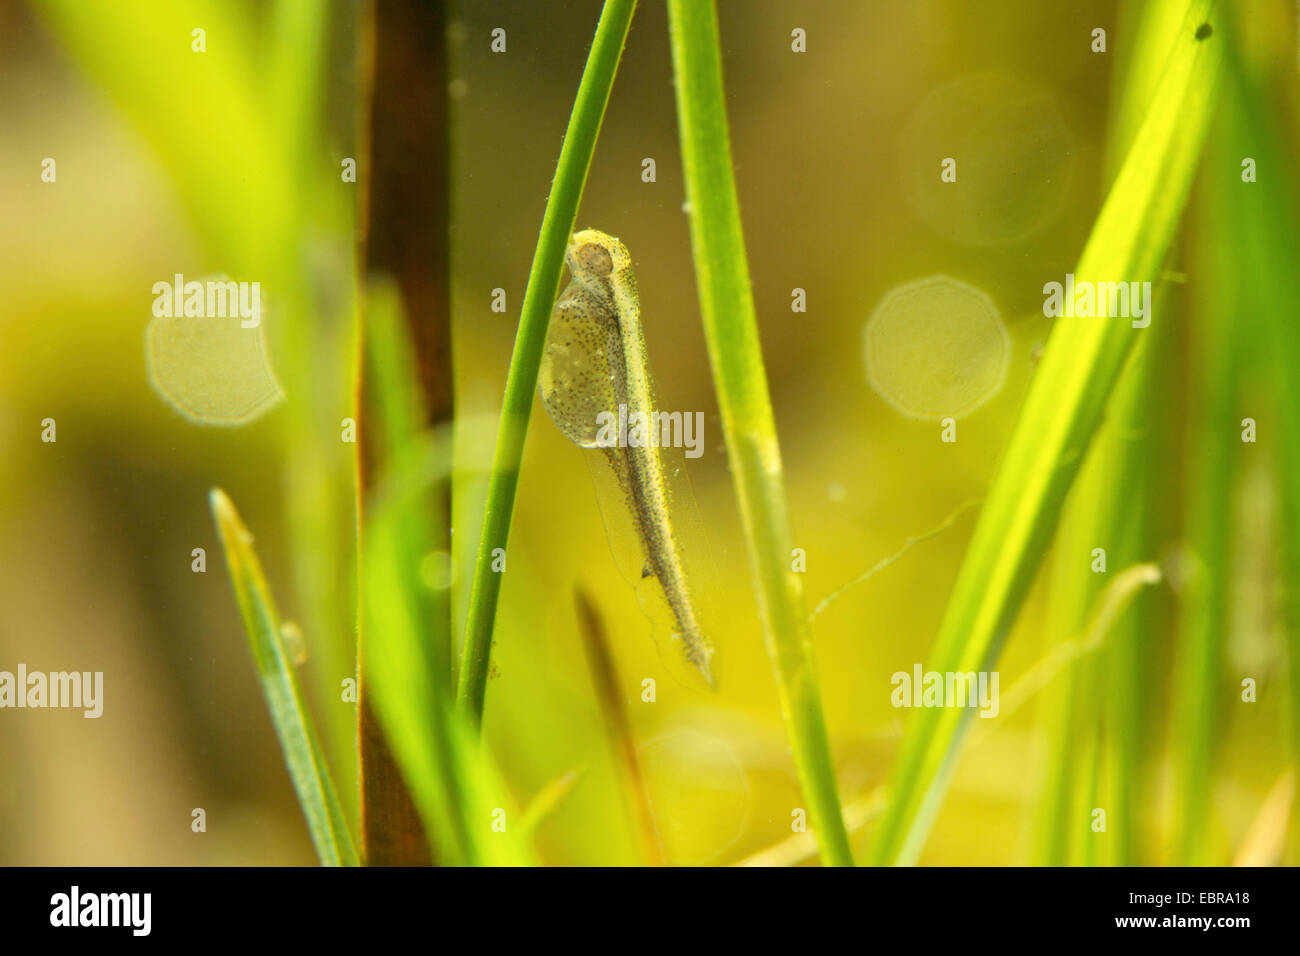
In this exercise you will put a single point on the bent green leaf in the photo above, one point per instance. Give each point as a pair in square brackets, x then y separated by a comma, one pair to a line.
[1079, 369]
[521, 381]
[293, 724]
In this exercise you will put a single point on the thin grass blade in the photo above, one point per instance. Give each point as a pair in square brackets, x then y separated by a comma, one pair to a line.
[293, 724]
[406, 672]
[1073, 383]
[1266, 236]
[1114, 506]
[731, 331]
[521, 381]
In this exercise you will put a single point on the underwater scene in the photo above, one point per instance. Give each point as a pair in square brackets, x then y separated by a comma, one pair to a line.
[685, 433]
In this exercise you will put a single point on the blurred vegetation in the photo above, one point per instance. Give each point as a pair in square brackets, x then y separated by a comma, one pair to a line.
[228, 162]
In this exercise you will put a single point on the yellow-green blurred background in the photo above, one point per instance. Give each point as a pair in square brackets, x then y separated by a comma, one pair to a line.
[170, 161]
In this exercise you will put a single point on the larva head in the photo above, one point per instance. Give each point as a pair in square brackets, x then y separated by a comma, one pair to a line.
[593, 256]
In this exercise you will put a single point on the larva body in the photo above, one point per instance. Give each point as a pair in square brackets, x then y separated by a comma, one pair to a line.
[595, 361]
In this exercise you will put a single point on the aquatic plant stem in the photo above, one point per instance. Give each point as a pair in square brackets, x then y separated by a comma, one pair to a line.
[1061, 413]
[284, 699]
[521, 381]
[731, 330]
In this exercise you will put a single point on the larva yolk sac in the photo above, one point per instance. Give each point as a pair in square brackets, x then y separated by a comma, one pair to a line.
[582, 366]
[936, 348]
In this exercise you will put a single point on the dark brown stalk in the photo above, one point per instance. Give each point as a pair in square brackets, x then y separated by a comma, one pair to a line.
[404, 235]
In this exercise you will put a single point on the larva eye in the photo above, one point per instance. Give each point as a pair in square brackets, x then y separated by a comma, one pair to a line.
[595, 259]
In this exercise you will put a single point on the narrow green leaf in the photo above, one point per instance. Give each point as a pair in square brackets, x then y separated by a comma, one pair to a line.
[1113, 505]
[293, 725]
[129, 47]
[1212, 457]
[539, 297]
[612, 704]
[1263, 239]
[453, 784]
[731, 331]
[1073, 383]
[547, 800]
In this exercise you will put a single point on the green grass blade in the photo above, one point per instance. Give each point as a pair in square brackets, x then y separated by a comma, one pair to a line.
[393, 831]
[405, 647]
[731, 330]
[293, 725]
[1265, 235]
[451, 779]
[539, 297]
[1114, 483]
[127, 47]
[260, 81]
[1212, 457]
[612, 704]
[547, 800]
[296, 81]
[1079, 368]
[1113, 505]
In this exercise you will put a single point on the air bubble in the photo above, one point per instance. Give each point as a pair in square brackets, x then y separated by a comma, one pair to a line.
[211, 370]
[438, 570]
[1014, 157]
[294, 645]
[936, 348]
[699, 794]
